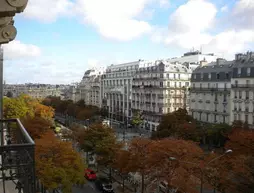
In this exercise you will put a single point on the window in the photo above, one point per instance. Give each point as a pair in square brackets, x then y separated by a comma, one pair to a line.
[239, 70]
[236, 83]
[246, 95]
[161, 75]
[161, 84]
[168, 84]
[225, 97]
[224, 119]
[248, 71]
[208, 85]
[235, 117]
[195, 76]
[175, 84]
[202, 76]
[209, 76]
[200, 85]
[179, 76]
[167, 75]
[227, 76]
[246, 118]
[207, 117]
[174, 76]
[247, 83]
[180, 84]
[240, 94]
[186, 84]
[218, 76]
[193, 85]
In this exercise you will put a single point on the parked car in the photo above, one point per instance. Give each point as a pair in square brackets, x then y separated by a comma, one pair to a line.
[104, 184]
[90, 174]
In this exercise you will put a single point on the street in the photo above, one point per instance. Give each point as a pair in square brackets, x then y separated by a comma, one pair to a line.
[89, 187]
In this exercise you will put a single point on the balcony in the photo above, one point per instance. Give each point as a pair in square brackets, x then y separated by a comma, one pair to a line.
[198, 89]
[17, 158]
[242, 85]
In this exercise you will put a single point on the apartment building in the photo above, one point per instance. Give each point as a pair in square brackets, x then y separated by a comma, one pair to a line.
[90, 88]
[159, 87]
[34, 90]
[117, 89]
[223, 92]
[210, 92]
[242, 92]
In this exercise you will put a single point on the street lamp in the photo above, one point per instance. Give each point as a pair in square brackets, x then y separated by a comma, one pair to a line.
[196, 164]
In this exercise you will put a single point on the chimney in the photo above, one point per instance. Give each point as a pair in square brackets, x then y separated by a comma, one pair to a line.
[203, 62]
[219, 61]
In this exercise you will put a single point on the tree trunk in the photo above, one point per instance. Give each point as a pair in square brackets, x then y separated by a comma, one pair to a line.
[142, 183]
[123, 183]
[110, 174]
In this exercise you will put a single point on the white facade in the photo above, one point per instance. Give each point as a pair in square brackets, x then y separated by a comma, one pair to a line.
[40, 91]
[117, 89]
[90, 88]
[194, 57]
[159, 87]
[242, 92]
[210, 93]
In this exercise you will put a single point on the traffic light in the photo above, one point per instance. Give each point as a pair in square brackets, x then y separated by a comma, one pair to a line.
[8, 9]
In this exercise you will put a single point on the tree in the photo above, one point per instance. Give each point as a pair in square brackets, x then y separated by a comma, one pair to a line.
[16, 108]
[101, 140]
[139, 152]
[9, 94]
[121, 163]
[177, 125]
[37, 126]
[170, 160]
[241, 141]
[137, 119]
[81, 103]
[57, 164]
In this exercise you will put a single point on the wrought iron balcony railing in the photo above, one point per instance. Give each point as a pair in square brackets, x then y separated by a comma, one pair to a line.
[17, 157]
[242, 85]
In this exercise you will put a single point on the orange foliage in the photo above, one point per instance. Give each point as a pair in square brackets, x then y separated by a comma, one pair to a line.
[57, 163]
[43, 111]
[36, 126]
[169, 159]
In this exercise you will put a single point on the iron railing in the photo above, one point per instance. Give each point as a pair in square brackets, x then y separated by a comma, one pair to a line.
[242, 85]
[17, 157]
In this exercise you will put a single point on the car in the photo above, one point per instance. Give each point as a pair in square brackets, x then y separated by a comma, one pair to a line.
[90, 174]
[104, 185]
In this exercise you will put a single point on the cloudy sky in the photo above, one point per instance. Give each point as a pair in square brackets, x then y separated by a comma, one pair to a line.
[59, 39]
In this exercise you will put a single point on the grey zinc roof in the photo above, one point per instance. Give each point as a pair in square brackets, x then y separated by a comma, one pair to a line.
[224, 66]
[244, 63]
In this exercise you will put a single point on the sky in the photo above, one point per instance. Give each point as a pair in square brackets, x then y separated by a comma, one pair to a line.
[58, 40]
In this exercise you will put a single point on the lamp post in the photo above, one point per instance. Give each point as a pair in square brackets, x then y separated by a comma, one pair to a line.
[201, 168]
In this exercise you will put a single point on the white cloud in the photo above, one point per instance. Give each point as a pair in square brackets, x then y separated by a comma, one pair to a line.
[242, 14]
[164, 3]
[115, 19]
[19, 50]
[47, 10]
[194, 16]
[191, 24]
[224, 8]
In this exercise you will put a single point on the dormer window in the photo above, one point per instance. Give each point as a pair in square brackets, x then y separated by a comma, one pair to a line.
[209, 76]
[195, 76]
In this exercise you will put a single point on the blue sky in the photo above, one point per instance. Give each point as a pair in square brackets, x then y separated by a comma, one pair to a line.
[58, 40]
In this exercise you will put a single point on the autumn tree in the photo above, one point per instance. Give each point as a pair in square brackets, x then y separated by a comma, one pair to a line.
[241, 141]
[57, 164]
[121, 162]
[139, 152]
[37, 126]
[170, 159]
[16, 108]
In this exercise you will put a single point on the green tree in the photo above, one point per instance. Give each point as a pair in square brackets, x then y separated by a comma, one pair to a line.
[178, 125]
[9, 94]
[137, 119]
[101, 140]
